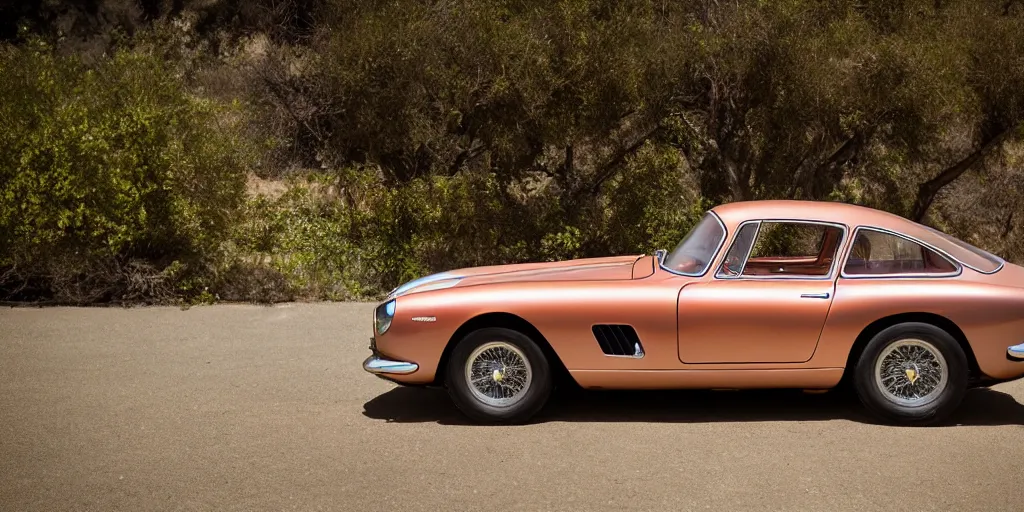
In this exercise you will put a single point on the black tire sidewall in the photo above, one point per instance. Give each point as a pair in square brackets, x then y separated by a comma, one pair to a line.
[936, 411]
[536, 396]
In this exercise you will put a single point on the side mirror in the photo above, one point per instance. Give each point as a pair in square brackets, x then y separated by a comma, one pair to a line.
[660, 255]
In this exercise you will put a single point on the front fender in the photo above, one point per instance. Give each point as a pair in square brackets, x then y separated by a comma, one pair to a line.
[563, 312]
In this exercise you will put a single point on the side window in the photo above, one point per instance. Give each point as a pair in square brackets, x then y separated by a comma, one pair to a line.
[789, 240]
[880, 253]
[733, 262]
[782, 249]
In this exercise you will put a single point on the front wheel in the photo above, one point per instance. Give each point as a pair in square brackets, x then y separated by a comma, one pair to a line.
[498, 375]
[912, 373]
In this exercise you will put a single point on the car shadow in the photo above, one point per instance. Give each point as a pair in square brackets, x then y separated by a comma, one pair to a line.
[980, 407]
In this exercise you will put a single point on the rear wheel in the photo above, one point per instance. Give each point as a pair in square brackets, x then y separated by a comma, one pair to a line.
[498, 375]
[912, 373]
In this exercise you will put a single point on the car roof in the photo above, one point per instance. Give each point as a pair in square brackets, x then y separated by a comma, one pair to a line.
[854, 216]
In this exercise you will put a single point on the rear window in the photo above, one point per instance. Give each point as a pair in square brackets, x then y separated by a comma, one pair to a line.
[982, 260]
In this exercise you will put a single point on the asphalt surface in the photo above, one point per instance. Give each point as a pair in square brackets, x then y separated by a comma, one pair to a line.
[257, 408]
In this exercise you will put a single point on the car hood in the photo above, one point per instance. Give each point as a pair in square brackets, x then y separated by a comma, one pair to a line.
[588, 269]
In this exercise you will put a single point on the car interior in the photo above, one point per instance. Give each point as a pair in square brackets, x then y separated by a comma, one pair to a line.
[794, 249]
[893, 255]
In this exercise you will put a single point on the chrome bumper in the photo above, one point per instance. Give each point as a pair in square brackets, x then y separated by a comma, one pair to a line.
[1015, 352]
[380, 366]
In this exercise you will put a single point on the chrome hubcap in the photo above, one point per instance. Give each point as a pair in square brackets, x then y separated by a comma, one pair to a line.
[498, 374]
[911, 373]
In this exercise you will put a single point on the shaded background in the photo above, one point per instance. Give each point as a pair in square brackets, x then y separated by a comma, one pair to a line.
[270, 150]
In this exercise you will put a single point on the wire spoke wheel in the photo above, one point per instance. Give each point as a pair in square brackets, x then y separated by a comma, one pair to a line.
[911, 372]
[498, 374]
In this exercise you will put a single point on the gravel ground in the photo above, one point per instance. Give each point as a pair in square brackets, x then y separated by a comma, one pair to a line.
[256, 408]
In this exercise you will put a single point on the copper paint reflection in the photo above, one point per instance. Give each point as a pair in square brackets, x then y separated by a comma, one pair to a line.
[709, 332]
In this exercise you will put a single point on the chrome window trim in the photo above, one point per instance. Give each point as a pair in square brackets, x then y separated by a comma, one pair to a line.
[749, 249]
[745, 257]
[904, 275]
[960, 263]
[1002, 263]
[831, 271]
[711, 261]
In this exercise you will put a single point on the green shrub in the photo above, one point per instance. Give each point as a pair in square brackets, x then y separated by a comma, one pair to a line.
[651, 206]
[105, 165]
[302, 240]
[349, 236]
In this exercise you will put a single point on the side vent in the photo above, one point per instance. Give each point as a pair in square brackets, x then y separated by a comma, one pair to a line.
[618, 340]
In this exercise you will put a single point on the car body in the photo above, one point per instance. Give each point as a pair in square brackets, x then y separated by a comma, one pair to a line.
[736, 305]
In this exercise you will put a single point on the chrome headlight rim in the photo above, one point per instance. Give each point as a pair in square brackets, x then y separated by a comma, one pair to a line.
[383, 316]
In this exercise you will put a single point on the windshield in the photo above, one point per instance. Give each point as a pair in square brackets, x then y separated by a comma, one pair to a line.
[694, 254]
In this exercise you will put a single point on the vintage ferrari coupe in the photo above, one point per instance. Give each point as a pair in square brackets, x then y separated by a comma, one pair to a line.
[763, 294]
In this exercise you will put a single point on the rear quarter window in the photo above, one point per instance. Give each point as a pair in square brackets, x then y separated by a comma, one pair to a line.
[881, 253]
[972, 256]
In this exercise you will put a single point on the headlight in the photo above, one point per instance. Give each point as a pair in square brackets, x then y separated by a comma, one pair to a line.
[383, 315]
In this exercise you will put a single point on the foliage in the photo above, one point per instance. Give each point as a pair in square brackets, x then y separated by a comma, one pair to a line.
[303, 238]
[412, 136]
[108, 164]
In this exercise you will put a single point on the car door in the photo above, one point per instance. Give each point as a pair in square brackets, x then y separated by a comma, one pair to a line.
[768, 300]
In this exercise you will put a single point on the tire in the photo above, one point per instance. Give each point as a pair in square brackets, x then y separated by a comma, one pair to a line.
[902, 355]
[485, 404]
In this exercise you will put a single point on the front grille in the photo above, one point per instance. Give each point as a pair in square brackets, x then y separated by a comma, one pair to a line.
[618, 340]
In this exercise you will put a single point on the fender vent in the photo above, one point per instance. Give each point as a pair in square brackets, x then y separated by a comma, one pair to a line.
[618, 340]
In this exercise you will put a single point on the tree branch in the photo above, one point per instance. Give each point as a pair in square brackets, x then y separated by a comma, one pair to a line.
[608, 169]
[474, 150]
[567, 167]
[804, 166]
[829, 172]
[928, 190]
[735, 181]
[275, 90]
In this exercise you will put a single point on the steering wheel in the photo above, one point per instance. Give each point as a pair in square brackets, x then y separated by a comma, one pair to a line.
[732, 265]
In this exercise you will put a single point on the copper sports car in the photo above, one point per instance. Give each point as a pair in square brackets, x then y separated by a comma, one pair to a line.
[765, 294]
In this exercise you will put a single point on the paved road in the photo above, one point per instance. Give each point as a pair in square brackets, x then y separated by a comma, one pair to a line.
[246, 408]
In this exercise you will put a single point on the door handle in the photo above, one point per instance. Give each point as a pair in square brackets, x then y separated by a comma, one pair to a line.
[814, 295]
